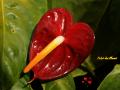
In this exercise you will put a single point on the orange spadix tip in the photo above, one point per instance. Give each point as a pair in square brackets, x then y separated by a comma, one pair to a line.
[41, 55]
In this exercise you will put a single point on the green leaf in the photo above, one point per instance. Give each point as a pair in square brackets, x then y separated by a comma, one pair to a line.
[17, 21]
[21, 84]
[65, 83]
[112, 80]
[78, 72]
[90, 11]
[88, 64]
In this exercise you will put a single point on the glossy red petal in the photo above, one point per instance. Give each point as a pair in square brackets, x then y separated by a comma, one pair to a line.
[80, 37]
[55, 22]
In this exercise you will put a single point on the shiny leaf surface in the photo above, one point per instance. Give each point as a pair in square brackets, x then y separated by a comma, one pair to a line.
[65, 83]
[21, 84]
[112, 80]
[17, 20]
[78, 72]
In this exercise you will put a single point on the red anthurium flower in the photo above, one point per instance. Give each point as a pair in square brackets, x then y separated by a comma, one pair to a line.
[78, 43]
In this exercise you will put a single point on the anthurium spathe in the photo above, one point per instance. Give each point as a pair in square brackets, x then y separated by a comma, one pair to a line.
[69, 54]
